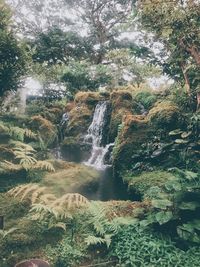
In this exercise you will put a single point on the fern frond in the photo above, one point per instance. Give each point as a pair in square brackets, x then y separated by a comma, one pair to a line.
[98, 218]
[38, 194]
[58, 225]
[4, 233]
[28, 133]
[93, 240]
[17, 133]
[47, 198]
[20, 145]
[42, 211]
[31, 192]
[71, 200]
[9, 166]
[4, 128]
[44, 165]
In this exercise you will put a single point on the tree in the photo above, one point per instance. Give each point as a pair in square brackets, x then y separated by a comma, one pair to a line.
[56, 46]
[126, 67]
[103, 19]
[176, 24]
[12, 54]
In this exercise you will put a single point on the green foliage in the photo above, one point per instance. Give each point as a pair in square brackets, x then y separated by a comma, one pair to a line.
[17, 133]
[136, 246]
[186, 142]
[176, 25]
[104, 229]
[83, 76]
[65, 254]
[4, 233]
[56, 46]
[142, 182]
[24, 157]
[177, 200]
[12, 54]
[146, 98]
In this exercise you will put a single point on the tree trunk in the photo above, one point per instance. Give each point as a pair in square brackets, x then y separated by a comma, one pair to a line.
[187, 82]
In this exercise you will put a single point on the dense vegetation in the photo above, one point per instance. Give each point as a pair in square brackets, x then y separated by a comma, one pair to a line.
[45, 206]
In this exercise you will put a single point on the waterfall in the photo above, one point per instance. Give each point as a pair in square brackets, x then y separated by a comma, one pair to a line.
[95, 135]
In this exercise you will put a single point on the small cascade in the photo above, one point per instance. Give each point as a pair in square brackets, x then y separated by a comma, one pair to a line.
[95, 136]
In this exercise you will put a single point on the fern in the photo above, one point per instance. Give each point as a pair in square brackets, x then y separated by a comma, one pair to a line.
[4, 128]
[4, 233]
[44, 165]
[28, 133]
[71, 200]
[43, 212]
[93, 240]
[24, 153]
[17, 133]
[31, 192]
[9, 166]
[98, 218]
[104, 228]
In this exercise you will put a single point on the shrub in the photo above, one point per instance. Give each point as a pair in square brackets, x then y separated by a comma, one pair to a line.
[135, 246]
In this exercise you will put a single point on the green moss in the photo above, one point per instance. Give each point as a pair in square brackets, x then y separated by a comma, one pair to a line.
[146, 98]
[47, 130]
[80, 119]
[165, 115]
[122, 104]
[135, 132]
[88, 98]
[140, 184]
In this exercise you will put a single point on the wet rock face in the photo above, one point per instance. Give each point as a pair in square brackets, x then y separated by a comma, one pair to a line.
[81, 112]
[75, 150]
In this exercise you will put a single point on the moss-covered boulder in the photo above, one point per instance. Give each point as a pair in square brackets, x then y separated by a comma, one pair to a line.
[165, 115]
[122, 104]
[80, 119]
[81, 112]
[53, 114]
[90, 98]
[46, 129]
[135, 132]
[141, 183]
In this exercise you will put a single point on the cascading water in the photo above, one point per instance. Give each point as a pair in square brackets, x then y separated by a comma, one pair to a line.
[95, 135]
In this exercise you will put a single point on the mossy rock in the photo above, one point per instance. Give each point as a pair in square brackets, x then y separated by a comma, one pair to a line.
[46, 128]
[88, 98]
[80, 119]
[165, 115]
[53, 114]
[140, 184]
[134, 133]
[122, 104]
[121, 99]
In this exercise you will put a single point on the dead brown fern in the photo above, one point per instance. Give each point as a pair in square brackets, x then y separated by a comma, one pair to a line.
[30, 192]
[71, 200]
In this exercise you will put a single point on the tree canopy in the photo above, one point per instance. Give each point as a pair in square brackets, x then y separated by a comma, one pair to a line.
[12, 54]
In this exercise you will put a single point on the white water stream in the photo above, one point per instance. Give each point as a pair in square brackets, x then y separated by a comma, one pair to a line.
[95, 136]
